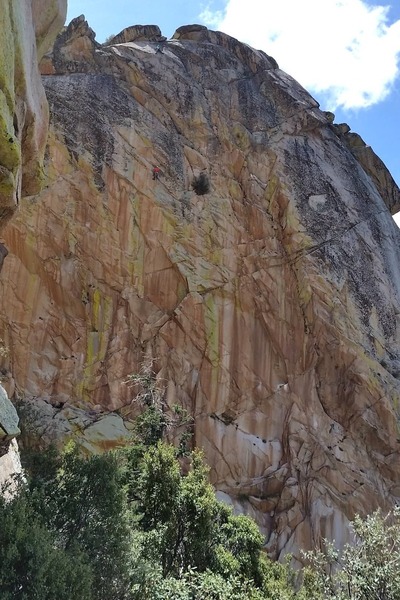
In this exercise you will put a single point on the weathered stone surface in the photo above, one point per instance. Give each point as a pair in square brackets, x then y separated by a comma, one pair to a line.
[48, 18]
[23, 106]
[373, 166]
[270, 305]
[27, 28]
[137, 33]
[8, 417]
[73, 50]
[199, 33]
[93, 430]
[10, 467]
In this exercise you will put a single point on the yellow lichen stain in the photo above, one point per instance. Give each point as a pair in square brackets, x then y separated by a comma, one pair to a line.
[305, 291]
[92, 349]
[101, 311]
[72, 241]
[10, 150]
[96, 306]
[183, 231]
[379, 348]
[224, 132]
[181, 291]
[235, 191]
[137, 248]
[32, 287]
[395, 402]
[211, 321]
[198, 119]
[7, 58]
[241, 136]
[7, 183]
[212, 325]
[272, 188]
[60, 163]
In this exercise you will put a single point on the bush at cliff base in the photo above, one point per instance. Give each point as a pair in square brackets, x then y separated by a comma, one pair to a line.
[368, 569]
[129, 525]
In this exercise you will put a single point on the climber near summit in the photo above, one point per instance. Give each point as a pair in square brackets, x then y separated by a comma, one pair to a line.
[159, 48]
[156, 172]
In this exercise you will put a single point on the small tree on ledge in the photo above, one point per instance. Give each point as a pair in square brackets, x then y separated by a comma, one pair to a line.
[201, 184]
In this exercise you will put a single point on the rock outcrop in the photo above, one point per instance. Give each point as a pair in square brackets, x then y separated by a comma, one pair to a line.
[269, 305]
[373, 166]
[28, 28]
[9, 421]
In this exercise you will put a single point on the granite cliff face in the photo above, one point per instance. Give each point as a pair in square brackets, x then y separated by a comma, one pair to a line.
[28, 28]
[269, 305]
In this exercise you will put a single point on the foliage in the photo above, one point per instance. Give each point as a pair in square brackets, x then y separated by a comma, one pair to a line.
[241, 537]
[147, 387]
[201, 184]
[118, 523]
[365, 570]
[108, 39]
[278, 580]
[141, 524]
[129, 525]
[186, 525]
[32, 566]
[204, 586]
[151, 425]
[83, 504]
[156, 418]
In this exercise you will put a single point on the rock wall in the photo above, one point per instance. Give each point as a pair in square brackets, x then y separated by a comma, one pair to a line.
[269, 305]
[28, 28]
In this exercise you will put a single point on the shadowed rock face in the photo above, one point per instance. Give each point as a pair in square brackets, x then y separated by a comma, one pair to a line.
[28, 28]
[270, 305]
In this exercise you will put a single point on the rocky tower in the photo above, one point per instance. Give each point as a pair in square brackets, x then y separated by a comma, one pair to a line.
[270, 304]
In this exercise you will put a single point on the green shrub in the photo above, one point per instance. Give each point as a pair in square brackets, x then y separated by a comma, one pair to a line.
[368, 569]
[201, 184]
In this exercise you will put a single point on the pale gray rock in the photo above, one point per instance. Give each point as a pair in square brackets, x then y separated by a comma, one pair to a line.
[93, 431]
[8, 417]
[373, 166]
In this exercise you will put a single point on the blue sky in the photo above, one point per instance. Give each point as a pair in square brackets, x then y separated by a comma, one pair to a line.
[346, 53]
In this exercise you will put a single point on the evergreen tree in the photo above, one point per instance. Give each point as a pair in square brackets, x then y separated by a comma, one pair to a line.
[32, 566]
[83, 503]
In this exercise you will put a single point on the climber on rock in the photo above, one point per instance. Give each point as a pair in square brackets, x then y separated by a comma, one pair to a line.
[156, 173]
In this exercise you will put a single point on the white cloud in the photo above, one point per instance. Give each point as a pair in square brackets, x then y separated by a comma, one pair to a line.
[344, 49]
[212, 18]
